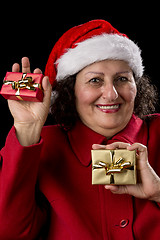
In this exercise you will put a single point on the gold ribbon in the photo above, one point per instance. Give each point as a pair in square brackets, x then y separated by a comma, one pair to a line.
[24, 83]
[115, 167]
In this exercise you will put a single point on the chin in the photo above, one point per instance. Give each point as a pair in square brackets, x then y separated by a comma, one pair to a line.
[109, 126]
[112, 123]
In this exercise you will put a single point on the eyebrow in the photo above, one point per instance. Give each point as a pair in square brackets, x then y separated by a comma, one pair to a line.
[101, 73]
[123, 72]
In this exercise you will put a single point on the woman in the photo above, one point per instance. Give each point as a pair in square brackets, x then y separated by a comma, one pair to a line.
[99, 91]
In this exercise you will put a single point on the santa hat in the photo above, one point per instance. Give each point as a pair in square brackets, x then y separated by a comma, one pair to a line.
[88, 43]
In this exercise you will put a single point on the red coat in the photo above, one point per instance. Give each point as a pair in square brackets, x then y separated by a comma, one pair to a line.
[75, 209]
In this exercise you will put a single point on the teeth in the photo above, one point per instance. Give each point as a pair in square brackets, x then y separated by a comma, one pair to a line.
[109, 107]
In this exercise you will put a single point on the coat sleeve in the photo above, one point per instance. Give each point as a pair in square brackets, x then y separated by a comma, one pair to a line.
[153, 123]
[20, 217]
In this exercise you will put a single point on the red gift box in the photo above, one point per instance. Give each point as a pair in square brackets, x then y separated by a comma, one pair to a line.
[23, 86]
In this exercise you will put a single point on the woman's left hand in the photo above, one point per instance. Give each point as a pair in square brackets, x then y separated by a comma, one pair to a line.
[148, 186]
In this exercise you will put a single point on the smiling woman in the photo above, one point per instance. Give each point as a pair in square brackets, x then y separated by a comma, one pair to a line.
[99, 92]
[64, 110]
[106, 105]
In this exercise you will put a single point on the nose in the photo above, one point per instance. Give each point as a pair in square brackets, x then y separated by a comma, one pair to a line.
[109, 93]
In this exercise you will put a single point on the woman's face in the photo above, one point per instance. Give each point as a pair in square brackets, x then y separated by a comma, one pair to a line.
[105, 92]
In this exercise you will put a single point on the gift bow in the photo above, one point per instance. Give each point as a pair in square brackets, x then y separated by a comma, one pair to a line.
[115, 167]
[24, 83]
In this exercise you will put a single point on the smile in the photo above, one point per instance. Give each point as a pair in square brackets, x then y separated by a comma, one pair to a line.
[109, 108]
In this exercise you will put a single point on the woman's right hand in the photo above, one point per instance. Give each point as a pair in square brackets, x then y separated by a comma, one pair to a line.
[29, 117]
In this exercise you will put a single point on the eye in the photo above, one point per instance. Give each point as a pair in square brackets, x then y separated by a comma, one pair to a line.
[96, 81]
[121, 79]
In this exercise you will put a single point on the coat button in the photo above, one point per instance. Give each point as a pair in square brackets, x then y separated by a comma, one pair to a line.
[123, 223]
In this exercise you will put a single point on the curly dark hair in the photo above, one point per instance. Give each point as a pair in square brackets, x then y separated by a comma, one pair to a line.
[64, 110]
[146, 99]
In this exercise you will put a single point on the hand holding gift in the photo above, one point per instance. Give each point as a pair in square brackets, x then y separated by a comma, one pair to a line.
[29, 117]
[148, 186]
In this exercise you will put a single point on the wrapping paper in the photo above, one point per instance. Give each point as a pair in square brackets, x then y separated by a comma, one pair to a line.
[21, 86]
[116, 167]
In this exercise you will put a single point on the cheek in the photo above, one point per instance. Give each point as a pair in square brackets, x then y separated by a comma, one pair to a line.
[84, 96]
[128, 93]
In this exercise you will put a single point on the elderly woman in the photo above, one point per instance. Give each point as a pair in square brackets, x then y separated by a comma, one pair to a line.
[101, 101]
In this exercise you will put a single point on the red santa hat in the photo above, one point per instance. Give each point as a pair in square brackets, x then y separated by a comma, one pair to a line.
[88, 43]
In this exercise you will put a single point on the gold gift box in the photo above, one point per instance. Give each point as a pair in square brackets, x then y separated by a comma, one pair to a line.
[116, 167]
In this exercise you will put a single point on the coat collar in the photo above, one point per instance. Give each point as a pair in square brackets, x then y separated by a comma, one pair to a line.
[82, 138]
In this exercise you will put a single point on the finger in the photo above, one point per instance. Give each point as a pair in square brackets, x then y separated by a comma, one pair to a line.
[25, 65]
[137, 146]
[117, 145]
[142, 155]
[121, 189]
[46, 84]
[111, 146]
[47, 90]
[98, 146]
[112, 188]
[37, 70]
[15, 67]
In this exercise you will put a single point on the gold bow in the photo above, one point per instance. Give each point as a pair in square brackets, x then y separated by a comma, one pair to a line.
[24, 83]
[115, 167]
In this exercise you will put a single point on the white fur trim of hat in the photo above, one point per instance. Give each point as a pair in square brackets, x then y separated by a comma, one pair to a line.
[99, 48]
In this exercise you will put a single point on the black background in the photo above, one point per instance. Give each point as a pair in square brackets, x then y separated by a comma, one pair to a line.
[31, 29]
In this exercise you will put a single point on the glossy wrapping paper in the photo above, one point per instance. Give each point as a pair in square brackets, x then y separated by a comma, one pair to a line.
[22, 86]
[116, 167]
